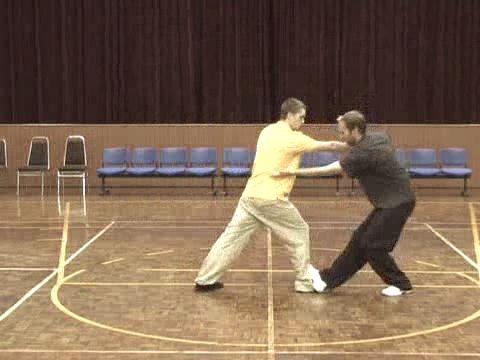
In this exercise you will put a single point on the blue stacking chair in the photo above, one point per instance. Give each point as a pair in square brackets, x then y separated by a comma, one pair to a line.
[322, 158]
[173, 161]
[423, 163]
[203, 163]
[306, 161]
[143, 161]
[401, 156]
[454, 164]
[114, 162]
[253, 153]
[236, 163]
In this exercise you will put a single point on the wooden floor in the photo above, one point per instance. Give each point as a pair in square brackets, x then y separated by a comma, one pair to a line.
[116, 283]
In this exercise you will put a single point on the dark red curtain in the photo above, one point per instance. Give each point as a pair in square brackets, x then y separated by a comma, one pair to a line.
[234, 61]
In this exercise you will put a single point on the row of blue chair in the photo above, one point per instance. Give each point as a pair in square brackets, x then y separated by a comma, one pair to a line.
[198, 162]
[237, 162]
[174, 162]
[451, 163]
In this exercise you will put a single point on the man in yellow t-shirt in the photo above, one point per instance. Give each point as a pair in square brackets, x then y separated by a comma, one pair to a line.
[265, 202]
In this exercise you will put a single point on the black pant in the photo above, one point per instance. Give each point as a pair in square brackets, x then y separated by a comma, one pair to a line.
[371, 243]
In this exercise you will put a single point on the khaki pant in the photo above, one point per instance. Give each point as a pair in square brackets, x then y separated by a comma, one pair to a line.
[282, 218]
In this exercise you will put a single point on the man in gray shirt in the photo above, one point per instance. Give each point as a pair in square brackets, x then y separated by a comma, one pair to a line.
[386, 184]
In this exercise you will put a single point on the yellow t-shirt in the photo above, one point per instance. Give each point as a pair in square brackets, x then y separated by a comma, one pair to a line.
[278, 148]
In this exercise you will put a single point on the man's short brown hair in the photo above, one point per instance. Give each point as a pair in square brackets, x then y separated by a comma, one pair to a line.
[354, 119]
[291, 105]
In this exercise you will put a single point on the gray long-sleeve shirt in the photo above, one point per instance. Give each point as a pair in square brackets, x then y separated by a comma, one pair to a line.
[373, 162]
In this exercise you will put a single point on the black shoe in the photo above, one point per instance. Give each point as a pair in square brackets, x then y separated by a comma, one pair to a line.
[209, 287]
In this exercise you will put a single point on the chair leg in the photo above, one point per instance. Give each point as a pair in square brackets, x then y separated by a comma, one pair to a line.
[465, 190]
[225, 185]
[58, 183]
[18, 183]
[212, 186]
[103, 185]
[42, 173]
[83, 183]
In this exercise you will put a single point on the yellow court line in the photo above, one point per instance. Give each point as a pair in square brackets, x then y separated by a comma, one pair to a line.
[239, 352]
[426, 263]
[160, 252]
[55, 300]
[465, 320]
[33, 290]
[476, 240]
[140, 352]
[380, 355]
[271, 319]
[112, 261]
[61, 307]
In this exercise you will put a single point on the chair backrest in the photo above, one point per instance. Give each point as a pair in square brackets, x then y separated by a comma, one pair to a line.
[422, 157]
[401, 157]
[144, 156]
[202, 156]
[236, 156]
[253, 153]
[454, 157]
[3, 154]
[39, 153]
[75, 151]
[321, 158]
[117, 156]
[306, 160]
[173, 156]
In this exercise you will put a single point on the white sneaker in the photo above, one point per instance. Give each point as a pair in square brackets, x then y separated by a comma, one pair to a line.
[318, 284]
[393, 291]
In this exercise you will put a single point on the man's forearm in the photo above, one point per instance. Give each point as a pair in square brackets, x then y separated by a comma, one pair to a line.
[332, 146]
[331, 169]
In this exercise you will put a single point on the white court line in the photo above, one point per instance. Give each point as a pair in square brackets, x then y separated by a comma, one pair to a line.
[291, 271]
[476, 239]
[222, 221]
[222, 225]
[259, 284]
[168, 284]
[426, 263]
[44, 281]
[112, 261]
[458, 251]
[469, 278]
[160, 252]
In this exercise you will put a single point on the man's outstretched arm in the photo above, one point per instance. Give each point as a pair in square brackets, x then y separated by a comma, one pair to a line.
[331, 146]
[330, 169]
